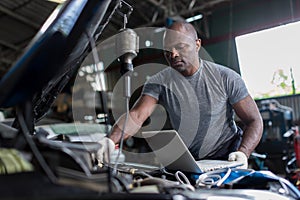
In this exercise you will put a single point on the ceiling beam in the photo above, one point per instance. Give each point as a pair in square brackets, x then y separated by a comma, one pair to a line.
[186, 12]
[204, 6]
[19, 17]
[154, 17]
[6, 61]
[158, 4]
[9, 45]
[191, 4]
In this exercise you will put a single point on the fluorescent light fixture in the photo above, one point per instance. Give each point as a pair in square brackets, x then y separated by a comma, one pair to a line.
[194, 18]
[148, 43]
[57, 1]
[157, 30]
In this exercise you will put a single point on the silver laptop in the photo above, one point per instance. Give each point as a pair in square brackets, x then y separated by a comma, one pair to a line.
[173, 154]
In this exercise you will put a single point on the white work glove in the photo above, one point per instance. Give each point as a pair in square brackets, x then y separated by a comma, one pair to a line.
[107, 147]
[240, 157]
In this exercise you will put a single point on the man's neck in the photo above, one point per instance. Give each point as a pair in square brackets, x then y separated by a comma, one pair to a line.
[192, 70]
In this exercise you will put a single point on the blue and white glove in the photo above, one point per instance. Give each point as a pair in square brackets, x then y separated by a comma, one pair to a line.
[239, 157]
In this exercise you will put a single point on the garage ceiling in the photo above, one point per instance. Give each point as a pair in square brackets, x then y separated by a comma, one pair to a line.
[21, 19]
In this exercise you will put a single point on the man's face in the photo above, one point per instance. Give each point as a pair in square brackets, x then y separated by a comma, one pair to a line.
[181, 51]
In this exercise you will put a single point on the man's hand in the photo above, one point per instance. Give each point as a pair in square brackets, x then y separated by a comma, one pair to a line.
[107, 147]
[240, 157]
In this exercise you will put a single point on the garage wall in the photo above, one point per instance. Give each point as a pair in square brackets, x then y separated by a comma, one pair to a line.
[245, 16]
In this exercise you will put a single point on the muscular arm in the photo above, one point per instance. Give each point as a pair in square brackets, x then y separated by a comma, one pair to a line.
[247, 111]
[137, 115]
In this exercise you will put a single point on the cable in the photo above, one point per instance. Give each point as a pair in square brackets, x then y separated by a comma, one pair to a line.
[144, 173]
[186, 181]
[122, 134]
[284, 186]
[101, 86]
[109, 17]
[163, 170]
[178, 176]
[213, 178]
[33, 147]
[207, 180]
[221, 181]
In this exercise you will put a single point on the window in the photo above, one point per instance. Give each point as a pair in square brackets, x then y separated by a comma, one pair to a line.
[270, 61]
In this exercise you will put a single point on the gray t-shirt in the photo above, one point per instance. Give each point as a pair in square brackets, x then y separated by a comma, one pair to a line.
[200, 106]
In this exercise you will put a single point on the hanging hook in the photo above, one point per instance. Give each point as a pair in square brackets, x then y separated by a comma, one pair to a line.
[125, 15]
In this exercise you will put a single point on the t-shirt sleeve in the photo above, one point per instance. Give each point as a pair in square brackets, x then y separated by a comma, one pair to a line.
[152, 90]
[152, 87]
[235, 87]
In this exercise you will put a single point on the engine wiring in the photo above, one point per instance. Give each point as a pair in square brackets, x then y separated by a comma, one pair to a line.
[213, 178]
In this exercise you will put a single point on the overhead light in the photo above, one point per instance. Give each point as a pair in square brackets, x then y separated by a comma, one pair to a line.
[57, 1]
[148, 43]
[160, 29]
[194, 18]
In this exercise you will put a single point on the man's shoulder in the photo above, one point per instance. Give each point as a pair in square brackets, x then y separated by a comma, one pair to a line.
[218, 68]
[215, 66]
[163, 74]
[166, 70]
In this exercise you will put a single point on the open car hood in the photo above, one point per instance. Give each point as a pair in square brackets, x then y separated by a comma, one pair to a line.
[53, 56]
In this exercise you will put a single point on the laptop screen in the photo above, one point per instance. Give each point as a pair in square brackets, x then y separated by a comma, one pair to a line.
[171, 151]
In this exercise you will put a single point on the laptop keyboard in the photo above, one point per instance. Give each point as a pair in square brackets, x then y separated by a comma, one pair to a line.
[210, 165]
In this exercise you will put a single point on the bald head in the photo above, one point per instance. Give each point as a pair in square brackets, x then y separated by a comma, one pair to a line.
[185, 28]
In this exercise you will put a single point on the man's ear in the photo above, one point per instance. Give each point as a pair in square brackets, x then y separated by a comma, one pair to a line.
[198, 44]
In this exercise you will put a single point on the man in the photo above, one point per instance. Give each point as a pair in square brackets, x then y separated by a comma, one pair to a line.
[200, 98]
